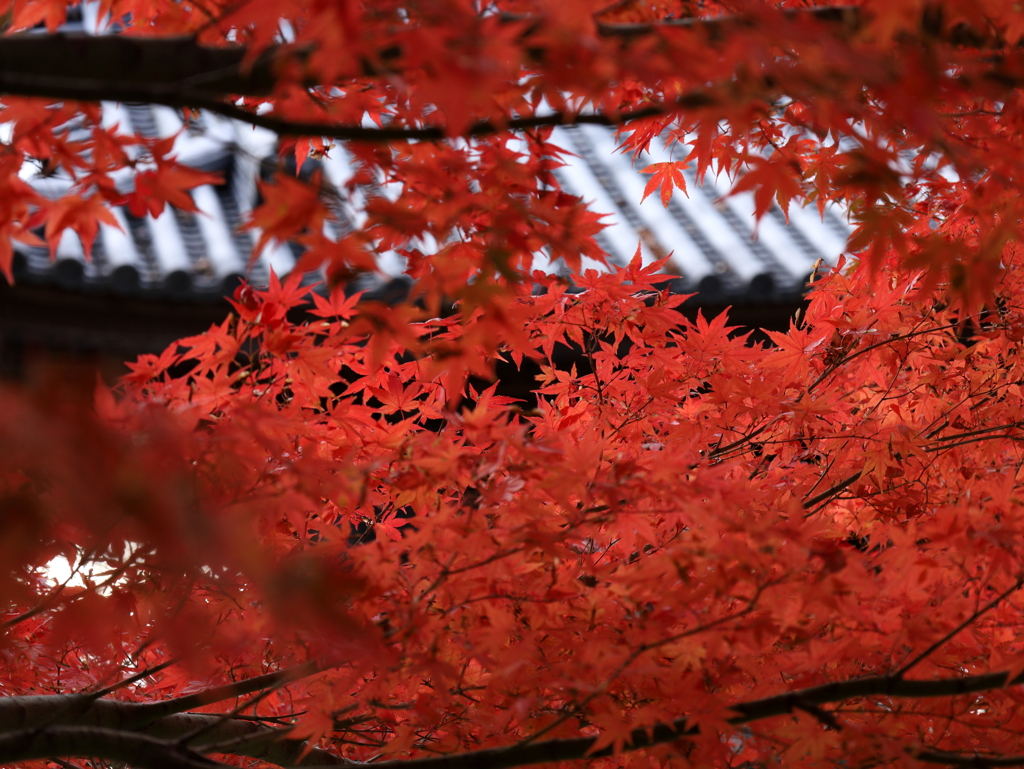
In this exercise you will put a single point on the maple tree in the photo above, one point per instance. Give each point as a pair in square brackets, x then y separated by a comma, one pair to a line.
[316, 539]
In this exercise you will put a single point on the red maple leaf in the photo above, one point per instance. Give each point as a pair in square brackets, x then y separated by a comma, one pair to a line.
[290, 206]
[83, 215]
[666, 176]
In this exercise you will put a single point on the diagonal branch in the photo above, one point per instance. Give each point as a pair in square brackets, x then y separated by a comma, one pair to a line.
[239, 737]
[150, 711]
[833, 490]
[974, 616]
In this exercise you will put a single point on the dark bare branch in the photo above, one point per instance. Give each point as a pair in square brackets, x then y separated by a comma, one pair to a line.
[973, 760]
[137, 750]
[22, 717]
[346, 132]
[240, 737]
[111, 729]
[756, 710]
[145, 713]
[962, 626]
[833, 490]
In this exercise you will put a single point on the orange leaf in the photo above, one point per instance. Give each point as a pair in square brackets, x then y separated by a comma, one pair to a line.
[167, 184]
[290, 206]
[667, 176]
[770, 178]
[83, 215]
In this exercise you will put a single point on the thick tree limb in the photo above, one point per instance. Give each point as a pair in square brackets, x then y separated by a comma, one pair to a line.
[62, 716]
[974, 760]
[41, 714]
[158, 746]
[136, 750]
[34, 711]
[62, 725]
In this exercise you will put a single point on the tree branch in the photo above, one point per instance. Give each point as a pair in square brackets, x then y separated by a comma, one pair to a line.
[38, 711]
[145, 713]
[756, 710]
[137, 750]
[968, 621]
[179, 72]
[240, 737]
[973, 760]
[349, 132]
[43, 716]
[76, 83]
[103, 729]
[832, 491]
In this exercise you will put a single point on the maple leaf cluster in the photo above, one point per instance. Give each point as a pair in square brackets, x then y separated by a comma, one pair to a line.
[783, 554]
[907, 115]
[318, 534]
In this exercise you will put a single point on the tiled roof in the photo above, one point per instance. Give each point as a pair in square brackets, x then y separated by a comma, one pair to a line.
[178, 254]
[192, 257]
[711, 238]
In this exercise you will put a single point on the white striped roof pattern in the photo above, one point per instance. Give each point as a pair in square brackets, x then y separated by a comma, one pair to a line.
[179, 253]
[716, 246]
[202, 256]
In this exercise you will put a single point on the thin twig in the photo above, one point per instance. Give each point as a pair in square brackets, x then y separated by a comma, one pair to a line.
[132, 679]
[222, 718]
[978, 613]
[840, 363]
[154, 710]
[831, 492]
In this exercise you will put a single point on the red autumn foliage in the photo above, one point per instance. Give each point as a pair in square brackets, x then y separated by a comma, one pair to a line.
[820, 535]
[310, 536]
